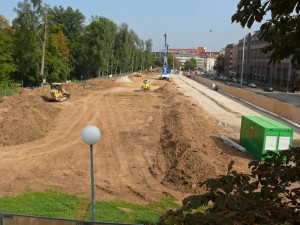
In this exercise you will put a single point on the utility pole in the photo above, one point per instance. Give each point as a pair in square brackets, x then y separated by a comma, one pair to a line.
[242, 73]
[173, 61]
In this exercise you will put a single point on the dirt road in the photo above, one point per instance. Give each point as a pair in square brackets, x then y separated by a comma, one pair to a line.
[154, 144]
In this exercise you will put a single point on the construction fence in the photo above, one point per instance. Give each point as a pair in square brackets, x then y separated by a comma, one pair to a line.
[282, 109]
[13, 219]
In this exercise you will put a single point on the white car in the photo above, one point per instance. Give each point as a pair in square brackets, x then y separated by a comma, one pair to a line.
[253, 85]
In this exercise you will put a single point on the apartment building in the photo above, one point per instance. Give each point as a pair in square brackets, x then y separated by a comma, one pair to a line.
[205, 60]
[186, 51]
[256, 65]
[231, 60]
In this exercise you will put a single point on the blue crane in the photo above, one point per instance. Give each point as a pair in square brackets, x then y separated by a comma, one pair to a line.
[166, 72]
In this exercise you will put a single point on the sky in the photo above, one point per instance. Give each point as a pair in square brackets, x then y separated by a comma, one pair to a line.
[187, 23]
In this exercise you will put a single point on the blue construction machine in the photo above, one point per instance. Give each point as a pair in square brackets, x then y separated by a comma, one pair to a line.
[166, 71]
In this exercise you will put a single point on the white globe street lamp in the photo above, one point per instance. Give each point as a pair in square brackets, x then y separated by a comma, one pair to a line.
[90, 136]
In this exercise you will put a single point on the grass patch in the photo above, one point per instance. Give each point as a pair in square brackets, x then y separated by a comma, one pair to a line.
[48, 204]
[55, 204]
[124, 212]
[9, 92]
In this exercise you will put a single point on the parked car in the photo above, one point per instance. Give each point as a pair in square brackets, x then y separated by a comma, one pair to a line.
[244, 82]
[253, 85]
[268, 89]
[228, 83]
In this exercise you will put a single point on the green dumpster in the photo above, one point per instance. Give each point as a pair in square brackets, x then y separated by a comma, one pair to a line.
[260, 134]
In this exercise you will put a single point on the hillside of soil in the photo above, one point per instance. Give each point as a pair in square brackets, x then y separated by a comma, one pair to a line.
[154, 144]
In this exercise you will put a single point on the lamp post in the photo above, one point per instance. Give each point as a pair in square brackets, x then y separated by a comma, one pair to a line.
[90, 136]
[242, 72]
[210, 52]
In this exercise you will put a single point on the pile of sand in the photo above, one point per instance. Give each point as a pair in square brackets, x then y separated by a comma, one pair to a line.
[123, 80]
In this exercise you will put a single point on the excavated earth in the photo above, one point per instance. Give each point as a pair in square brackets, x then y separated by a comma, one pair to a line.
[153, 144]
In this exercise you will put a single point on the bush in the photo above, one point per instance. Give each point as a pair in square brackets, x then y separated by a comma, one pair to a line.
[269, 195]
[8, 86]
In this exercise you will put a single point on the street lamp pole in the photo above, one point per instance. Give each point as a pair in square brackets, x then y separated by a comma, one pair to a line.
[173, 62]
[210, 51]
[243, 56]
[91, 135]
[92, 184]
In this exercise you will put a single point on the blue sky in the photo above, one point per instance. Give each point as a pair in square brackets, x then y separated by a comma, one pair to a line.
[187, 23]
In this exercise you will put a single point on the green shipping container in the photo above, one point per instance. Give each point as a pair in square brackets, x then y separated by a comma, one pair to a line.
[260, 134]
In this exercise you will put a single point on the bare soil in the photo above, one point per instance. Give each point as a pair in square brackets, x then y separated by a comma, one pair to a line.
[153, 144]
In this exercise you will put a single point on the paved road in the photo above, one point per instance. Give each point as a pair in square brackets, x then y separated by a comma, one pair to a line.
[291, 98]
[226, 110]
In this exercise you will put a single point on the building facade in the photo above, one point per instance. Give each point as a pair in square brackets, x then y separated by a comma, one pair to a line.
[205, 60]
[186, 51]
[231, 60]
[256, 65]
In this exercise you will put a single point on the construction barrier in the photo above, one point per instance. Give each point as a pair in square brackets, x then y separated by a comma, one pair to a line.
[282, 109]
[13, 219]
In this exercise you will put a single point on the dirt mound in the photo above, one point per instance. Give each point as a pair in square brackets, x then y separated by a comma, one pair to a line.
[191, 151]
[99, 84]
[123, 80]
[25, 117]
[28, 115]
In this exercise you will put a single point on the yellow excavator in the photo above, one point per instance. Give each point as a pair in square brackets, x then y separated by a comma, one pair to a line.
[58, 93]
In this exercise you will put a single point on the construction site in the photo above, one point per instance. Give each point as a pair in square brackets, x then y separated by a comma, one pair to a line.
[154, 144]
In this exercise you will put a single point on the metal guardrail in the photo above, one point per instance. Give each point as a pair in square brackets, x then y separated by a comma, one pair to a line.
[17, 219]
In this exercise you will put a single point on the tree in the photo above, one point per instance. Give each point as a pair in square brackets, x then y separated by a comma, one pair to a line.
[7, 64]
[269, 195]
[190, 64]
[4, 23]
[33, 16]
[122, 48]
[100, 36]
[282, 31]
[72, 25]
[57, 60]
[148, 57]
[158, 62]
[27, 55]
[219, 65]
[172, 59]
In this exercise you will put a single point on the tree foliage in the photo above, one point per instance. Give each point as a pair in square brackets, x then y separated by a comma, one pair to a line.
[55, 44]
[219, 65]
[57, 60]
[173, 60]
[190, 64]
[7, 64]
[269, 195]
[4, 23]
[32, 16]
[281, 31]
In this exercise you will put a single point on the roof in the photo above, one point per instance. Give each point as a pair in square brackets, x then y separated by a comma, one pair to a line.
[267, 122]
